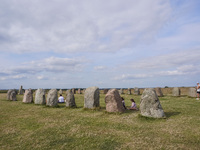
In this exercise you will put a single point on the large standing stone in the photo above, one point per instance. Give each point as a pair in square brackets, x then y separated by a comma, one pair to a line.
[73, 91]
[60, 91]
[176, 91]
[9, 93]
[113, 101]
[21, 91]
[105, 91]
[70, 100]
[67, 91]
[136, 91]
[129, 91]
[13, 96]
[40, 97]
[79, 91]
[91, 97]
[159, 92]
[121, 91]
[192, 92]
[28, 96]
[52, 98]
[150, 105]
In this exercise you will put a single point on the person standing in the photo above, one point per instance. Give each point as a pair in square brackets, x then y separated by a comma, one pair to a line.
[198, 90]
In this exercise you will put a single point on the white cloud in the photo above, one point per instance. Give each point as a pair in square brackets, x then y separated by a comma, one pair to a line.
[15, 77]
[175, 59]
[51, 64]
[100, 67]
[68, 26]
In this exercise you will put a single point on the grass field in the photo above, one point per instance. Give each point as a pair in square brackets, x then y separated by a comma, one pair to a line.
[30, 126]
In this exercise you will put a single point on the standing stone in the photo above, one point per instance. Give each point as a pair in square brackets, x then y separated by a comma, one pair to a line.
[113, 101]
[52, 98]
[21, 91]
[91, 97]
[68, 91]
[176, 91]
[79, 91]
[13, 96]
[150, 105]
[121, 91]
[192, 92]
[28, 96]
[73, 91]
[105, 91]
[60, 91]
[136, 91]
[8, 94]
[83, 91]
[159, 92]
[70, 100]
[40, 97]
[129, 91]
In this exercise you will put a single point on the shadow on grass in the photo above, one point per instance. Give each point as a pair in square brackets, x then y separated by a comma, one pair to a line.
[170, 114]
[150, 119]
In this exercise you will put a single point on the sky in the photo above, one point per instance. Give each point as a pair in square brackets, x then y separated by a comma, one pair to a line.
[108, 44]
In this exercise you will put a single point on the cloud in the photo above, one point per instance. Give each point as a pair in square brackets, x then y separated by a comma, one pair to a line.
[68, 26]
[175, 59]
[100, 67]
[51, 64]
[41, 77]
[15, 77]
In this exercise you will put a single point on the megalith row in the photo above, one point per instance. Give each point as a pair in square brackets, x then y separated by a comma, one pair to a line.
[149, 104]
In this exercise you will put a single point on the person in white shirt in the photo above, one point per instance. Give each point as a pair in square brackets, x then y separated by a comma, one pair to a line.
[61, 99]
[198, 90]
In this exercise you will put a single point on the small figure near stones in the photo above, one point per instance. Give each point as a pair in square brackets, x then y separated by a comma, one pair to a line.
[133, 105]
[61, 99]
[198, 90]
[123, 102]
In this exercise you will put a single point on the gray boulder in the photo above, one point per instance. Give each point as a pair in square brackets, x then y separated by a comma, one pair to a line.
[70, 100]
[74, 91]
[60, 91]
[150, 105]
[192, 92]
[159, 92]
[21, 91]
[121, 91]
[113, 101]
[67, 91]
[28, 96]
[91, 97]
[52, 98]
[136, 91]
[13, 96]
[9, 93]
[40, 97]
[176, 91]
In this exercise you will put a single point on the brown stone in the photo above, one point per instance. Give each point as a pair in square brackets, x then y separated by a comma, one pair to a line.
[113, 101]
[79, 91]
[159, 92]
[105, 91]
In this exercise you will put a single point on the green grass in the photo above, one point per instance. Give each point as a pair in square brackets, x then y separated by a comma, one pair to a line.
[30, 126]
